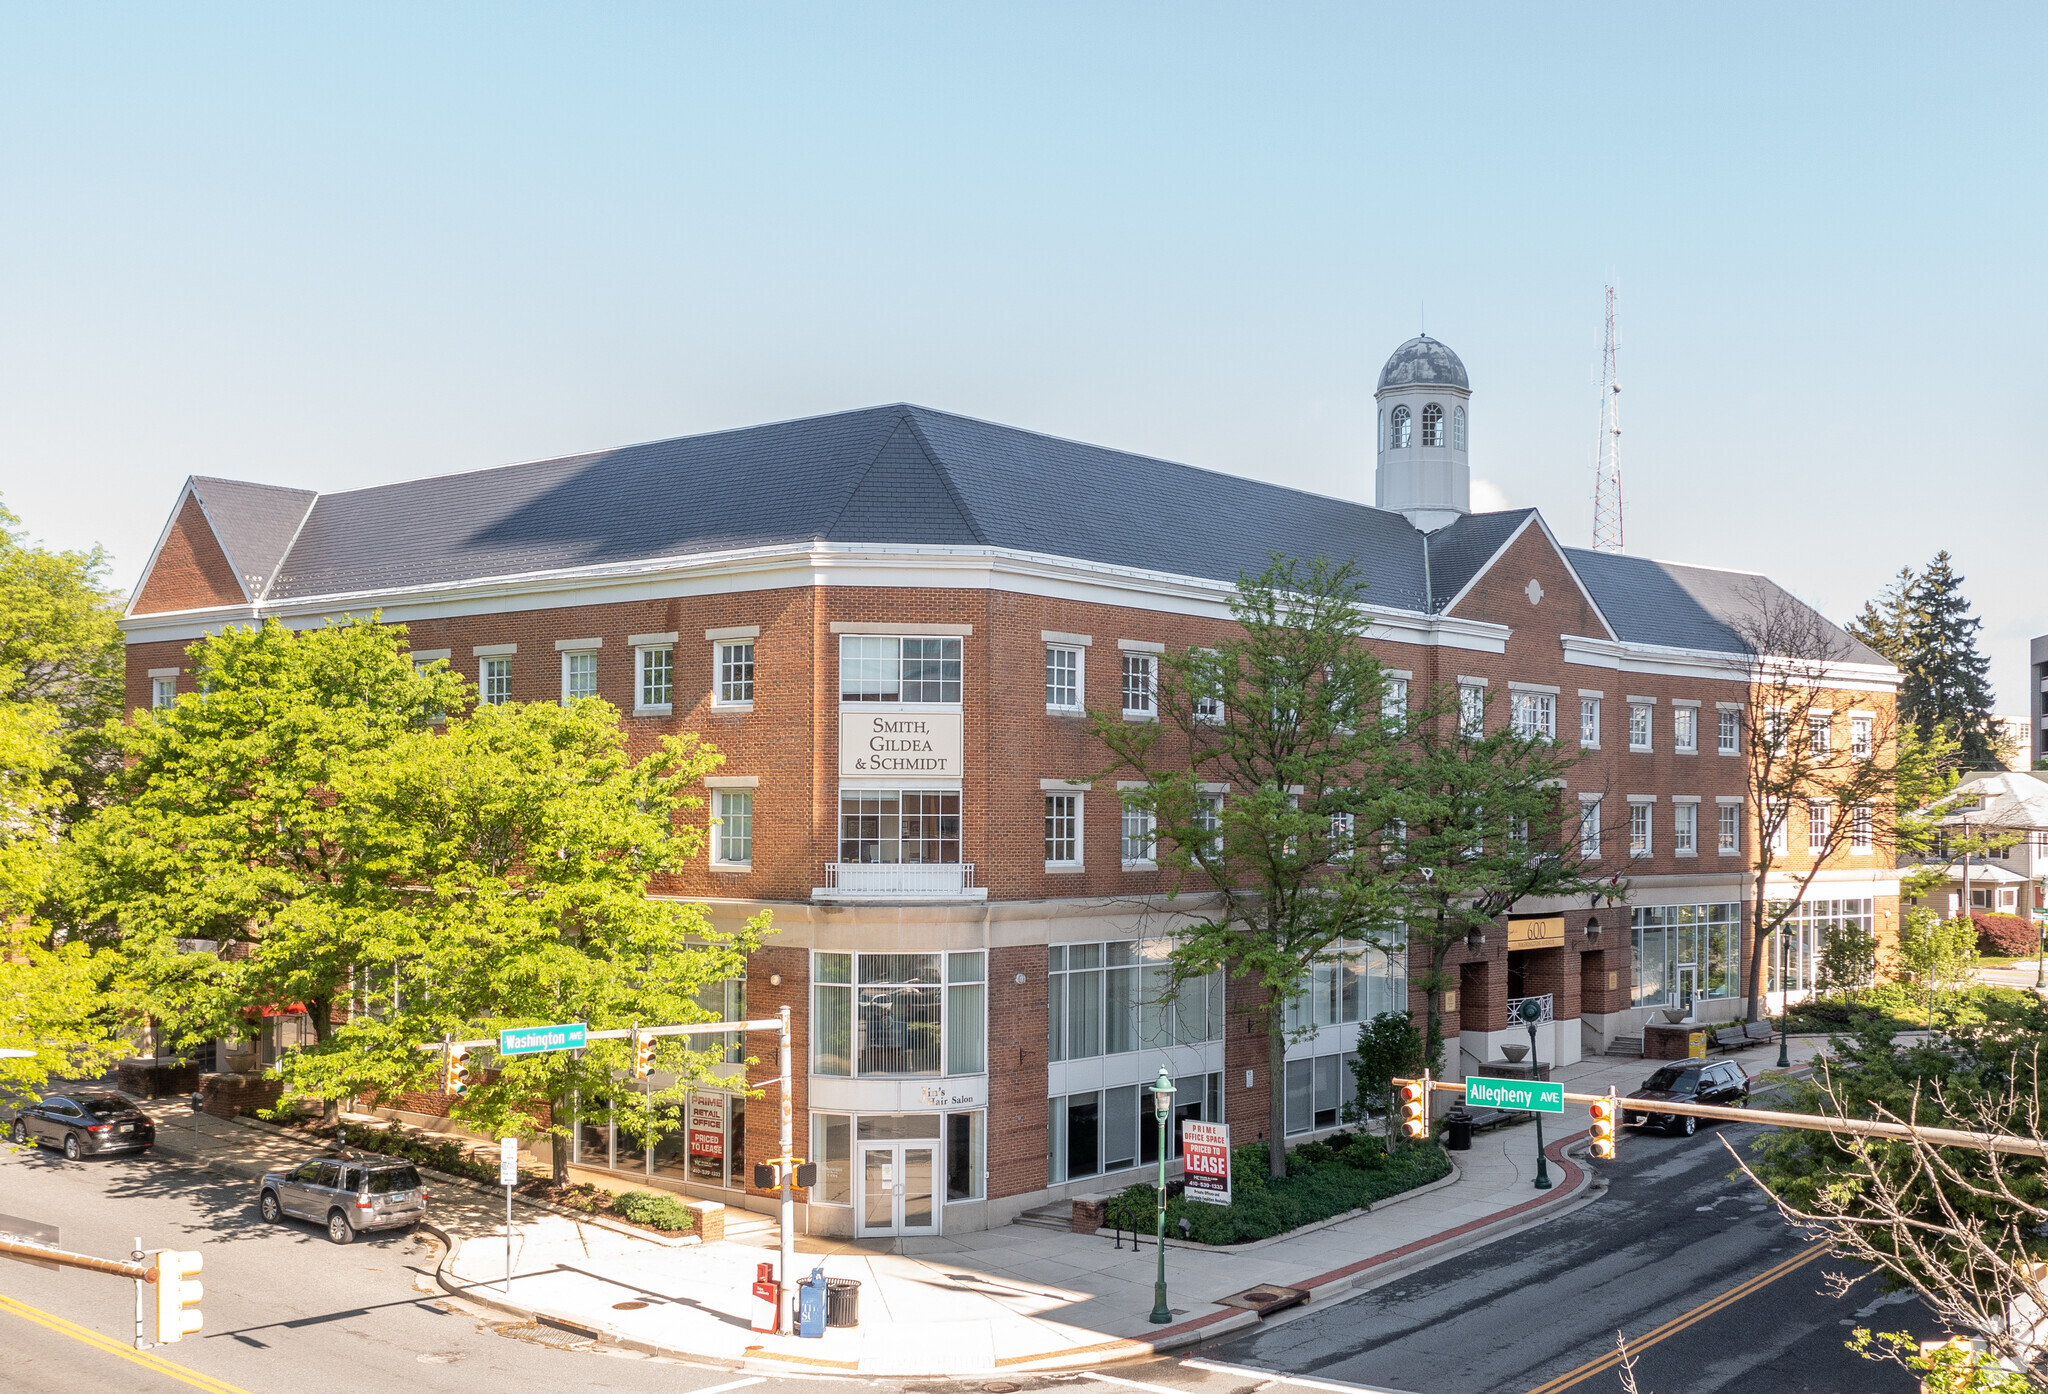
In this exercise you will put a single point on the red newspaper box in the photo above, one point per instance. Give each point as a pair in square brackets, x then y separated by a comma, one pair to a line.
[767, 1297]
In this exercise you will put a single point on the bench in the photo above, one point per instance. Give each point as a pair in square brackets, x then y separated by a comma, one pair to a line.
[1757, 1031]
[1731, 1038]
[1484, 1118]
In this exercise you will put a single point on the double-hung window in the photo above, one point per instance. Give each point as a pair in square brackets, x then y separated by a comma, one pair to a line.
[579, 669]
[1062, 678]
[494, 685]
[1728, 729]
[1471, 710]
[1062, 830]
[654, 689]
[1685, 729]
[1820, 822]
[899, 1014]
[1859, 737]
[1209, 817]
[1394, 703]
[1534, 715]
[1639, 828]
[1729, 829]
[1589, 825]
[163, 692]
[1589, 723]
[1685, 829]
[1638, 725]
[1781, 819]
[1138, 833]
[1820, 739]
[735, 673]
[1859, 829]
[733, 844]
[1141, 686]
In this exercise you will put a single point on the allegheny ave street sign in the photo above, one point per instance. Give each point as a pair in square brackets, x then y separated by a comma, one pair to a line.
[1533, 1096]
[531, 1040]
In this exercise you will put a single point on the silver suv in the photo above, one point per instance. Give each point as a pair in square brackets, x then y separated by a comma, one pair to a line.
[349, 1192]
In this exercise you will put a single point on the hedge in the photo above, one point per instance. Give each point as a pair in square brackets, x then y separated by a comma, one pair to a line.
[1347, 1171]
[654, 1210]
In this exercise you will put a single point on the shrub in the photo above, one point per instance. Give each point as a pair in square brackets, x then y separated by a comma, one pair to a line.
[654, 1210]
[2008, 936]
[1326, 1178]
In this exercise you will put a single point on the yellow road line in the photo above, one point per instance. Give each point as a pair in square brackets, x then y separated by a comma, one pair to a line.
[111, 1346]
[1679, 1323]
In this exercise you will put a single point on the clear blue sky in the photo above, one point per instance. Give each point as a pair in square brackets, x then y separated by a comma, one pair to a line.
[330, 247]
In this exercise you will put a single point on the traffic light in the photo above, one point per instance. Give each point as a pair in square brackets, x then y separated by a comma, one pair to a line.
[1603, 1128]
[643, 1055]
[1413, 1104]
[177, 1300]
[455, 1072]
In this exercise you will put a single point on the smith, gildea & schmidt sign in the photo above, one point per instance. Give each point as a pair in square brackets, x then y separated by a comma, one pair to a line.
[920, 745]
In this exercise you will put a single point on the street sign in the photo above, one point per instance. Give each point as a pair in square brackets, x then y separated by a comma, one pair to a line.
[532, 1040]
[1531, 1096]
[1205, 1161]
[508, 1161]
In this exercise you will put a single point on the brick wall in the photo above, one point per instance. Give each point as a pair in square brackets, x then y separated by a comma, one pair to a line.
[191, 571]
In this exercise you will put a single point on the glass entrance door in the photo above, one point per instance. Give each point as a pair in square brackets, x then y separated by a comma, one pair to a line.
[1688, 986]
[899, 1191]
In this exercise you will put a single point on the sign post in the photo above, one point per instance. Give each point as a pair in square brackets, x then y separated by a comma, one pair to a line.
[508, 1177]
[1205, 1162]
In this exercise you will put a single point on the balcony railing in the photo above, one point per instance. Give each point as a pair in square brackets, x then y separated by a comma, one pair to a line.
[922, 879]
[1515, 1009]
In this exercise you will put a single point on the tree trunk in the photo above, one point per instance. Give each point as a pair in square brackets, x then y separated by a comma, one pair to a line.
[320, 1011]
[558, 1158]
[1276, 1092]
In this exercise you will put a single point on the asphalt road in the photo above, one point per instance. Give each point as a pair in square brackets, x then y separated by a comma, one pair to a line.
[1673, 1232]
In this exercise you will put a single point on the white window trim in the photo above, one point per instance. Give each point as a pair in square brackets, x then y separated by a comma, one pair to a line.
[1649, 705]
[1132, 713]
[734, 631]
[1061, 786]
[420, 656]
[1079, 641]
[1691, 801]
[888, 629]
[494, 651]
[165, 672]
[1599, 715]
[1694, 708]
[1140, 646]
[1535, 687]
[1148, 863]
[566, 655]
[1595, 803]
[651, 643]
[717, 647]
[747, 782]
[577, 645]
[1644, 802]
[1078, 646]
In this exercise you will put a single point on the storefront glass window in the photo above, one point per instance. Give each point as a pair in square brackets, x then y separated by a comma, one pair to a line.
[1686, 946]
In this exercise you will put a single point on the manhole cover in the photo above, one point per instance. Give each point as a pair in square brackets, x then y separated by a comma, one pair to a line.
[627, 1306]
[1266, 1299]
[999, 1387]
[545, 1335]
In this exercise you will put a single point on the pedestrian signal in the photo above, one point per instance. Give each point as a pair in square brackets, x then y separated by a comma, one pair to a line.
[1413, 1105]
[1603, 1128]
[177, 1300]
[455, 1072]
[643, 1055]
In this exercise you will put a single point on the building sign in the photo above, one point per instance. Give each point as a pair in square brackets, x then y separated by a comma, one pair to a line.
[1205, 1161]
[915, 745]
[1546, 932]
[707, 1129]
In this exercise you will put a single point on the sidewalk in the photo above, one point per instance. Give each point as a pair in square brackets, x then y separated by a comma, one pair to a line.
[1011, 1299]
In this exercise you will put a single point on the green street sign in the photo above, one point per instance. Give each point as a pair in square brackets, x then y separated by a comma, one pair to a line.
[1533, 1096]
[532, 1040]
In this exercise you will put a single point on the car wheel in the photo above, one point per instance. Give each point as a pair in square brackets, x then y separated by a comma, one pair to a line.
[71, 1153]
[20, 1133]
[1688, 1125]
[269, 1209]
[338, 1228]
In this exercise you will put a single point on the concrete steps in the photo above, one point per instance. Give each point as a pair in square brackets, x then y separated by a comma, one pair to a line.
[1059, 1217]
[1630, 1047]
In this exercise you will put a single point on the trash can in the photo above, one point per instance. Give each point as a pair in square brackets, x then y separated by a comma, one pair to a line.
[767, 1298]
[1459, 1123]
[842, 1302]
[810, 1304]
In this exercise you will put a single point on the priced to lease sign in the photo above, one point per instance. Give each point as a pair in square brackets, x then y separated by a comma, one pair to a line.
[1205, 1161]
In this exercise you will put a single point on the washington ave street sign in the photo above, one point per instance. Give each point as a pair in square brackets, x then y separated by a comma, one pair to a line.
[1533, 1096]
[531, 1040]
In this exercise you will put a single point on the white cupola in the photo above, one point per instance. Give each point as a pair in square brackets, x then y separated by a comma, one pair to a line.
[1425, 430]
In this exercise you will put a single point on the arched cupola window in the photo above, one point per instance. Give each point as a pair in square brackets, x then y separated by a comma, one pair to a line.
[1458, 429]
[1432, 424]
[1397, 430]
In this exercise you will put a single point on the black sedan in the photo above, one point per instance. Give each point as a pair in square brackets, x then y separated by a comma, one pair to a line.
[1687, 1081]
[85, 1125]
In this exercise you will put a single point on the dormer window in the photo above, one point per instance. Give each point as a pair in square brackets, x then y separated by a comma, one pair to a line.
[1397, 429]
[1432, 424]
[1458, 429]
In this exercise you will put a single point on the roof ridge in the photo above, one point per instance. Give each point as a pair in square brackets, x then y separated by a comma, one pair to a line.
[853, 490]
[945, 473]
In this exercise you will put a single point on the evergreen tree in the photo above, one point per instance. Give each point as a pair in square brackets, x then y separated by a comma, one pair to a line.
[1887, 620]
[1946, 680]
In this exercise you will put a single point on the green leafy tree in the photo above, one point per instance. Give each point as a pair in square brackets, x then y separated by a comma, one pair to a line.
[1481, 824]
[55, 1003]
[1389, 1048]
[1946, 680]
[1886, 622]
[1937, 955]
[1847, 960]
[1264, 774]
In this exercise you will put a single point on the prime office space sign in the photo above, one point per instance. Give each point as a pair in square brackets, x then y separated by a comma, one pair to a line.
[920, 745]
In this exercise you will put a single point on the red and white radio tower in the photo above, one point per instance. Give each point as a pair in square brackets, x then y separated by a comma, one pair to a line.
[1607, 460]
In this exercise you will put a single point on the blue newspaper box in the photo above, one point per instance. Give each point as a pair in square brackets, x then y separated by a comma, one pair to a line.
[810, 1304]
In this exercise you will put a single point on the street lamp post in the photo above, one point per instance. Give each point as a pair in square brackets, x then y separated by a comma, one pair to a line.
[2040, 945]
[1784, 1008]
[1162, 1109]
[1532, 1010]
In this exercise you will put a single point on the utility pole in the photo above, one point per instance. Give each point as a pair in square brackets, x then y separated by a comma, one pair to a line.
[1607, 453]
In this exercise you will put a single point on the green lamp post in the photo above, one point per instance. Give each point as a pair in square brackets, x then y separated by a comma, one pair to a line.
[1531, 1012]
[1162, 1109]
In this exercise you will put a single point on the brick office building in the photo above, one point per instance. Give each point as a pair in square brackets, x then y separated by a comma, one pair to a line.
[892, 621]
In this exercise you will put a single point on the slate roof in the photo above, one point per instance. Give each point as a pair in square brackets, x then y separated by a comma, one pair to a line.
[908, 476]
[1685, 607]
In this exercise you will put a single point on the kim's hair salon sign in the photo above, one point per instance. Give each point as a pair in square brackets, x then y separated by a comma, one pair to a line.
[922, 745]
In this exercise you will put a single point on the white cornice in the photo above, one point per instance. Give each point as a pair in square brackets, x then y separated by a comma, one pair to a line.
[1705, 663]
[809, 564]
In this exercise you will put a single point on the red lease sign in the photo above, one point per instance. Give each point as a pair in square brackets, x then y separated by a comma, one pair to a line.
[1205, 1161]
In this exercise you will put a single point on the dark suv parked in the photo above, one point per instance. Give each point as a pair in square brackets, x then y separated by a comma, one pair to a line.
[348, 1192]
[1689, 1081]
[85, 1125]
